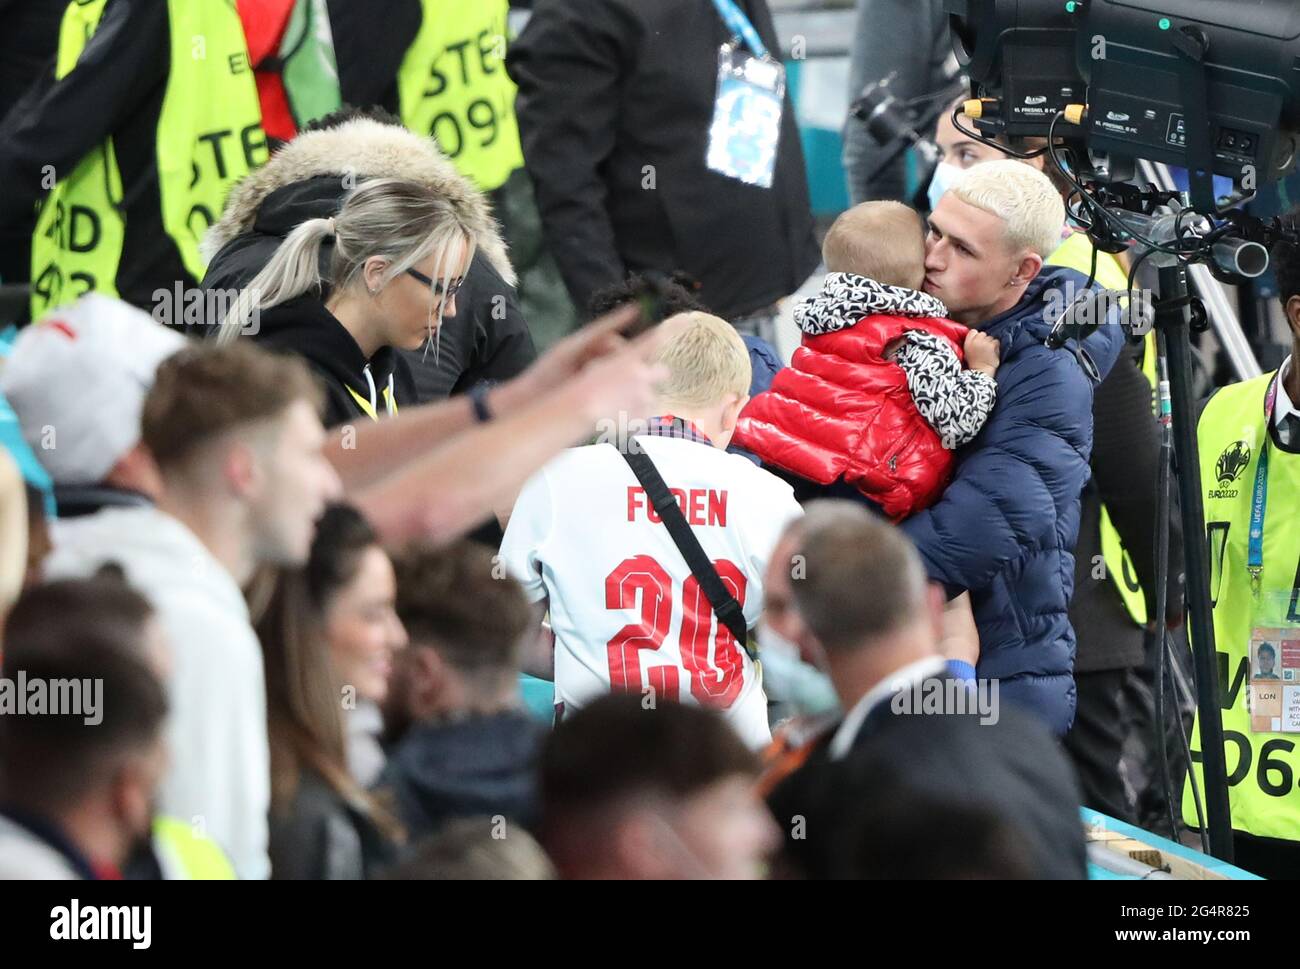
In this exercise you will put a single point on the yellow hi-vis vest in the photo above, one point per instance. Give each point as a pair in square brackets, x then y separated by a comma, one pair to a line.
[183, 854]
[453, 85]
[1263, 768]
[209, 136]
[1076, 253]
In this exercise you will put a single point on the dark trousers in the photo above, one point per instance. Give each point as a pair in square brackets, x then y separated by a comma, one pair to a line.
[1095, 742]
[1267, 857]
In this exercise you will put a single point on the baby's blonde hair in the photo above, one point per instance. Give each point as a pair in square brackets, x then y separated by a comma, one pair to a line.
[884, 241]
[706, 359]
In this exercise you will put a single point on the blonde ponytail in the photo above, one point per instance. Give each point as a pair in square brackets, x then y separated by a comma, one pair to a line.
[292, 271]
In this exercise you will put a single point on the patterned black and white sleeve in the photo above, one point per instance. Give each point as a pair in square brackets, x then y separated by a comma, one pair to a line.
[955, 402]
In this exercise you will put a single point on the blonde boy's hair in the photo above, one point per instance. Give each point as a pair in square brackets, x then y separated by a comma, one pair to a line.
[881, 240]
[706, 359]
[1021, 196]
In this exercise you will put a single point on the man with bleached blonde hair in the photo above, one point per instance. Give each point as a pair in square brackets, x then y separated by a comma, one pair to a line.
[627, 612]
[1006, 527]
[989, 237]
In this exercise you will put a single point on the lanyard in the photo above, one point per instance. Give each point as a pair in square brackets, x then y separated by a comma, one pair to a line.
[739, 25]
[1259, 498]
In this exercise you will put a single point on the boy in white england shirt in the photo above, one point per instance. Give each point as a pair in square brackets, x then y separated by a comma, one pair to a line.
[626, 612]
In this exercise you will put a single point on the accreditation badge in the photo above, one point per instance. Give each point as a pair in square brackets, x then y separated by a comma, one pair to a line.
[746, 117]
[1274, 655]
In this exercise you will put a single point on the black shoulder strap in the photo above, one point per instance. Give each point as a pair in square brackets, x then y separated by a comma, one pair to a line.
[728, 610]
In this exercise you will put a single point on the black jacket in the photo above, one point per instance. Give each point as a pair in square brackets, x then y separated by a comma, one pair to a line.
[613, 93]
[322, 836]
[1125, 456]
[29, 42]
[1013, 768]
[304, 326]
[481, 765]
[371, 38]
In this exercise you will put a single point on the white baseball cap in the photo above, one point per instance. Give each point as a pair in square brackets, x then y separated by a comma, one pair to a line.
[77, 380]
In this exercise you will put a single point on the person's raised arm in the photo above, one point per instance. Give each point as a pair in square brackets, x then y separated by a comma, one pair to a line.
[447, 493]
[368, 452]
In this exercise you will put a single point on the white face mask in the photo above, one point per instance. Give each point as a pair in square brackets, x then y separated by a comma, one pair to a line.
[806, 688]
[946, 176]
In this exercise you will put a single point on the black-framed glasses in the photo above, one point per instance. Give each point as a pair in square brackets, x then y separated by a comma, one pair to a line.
[448, 290]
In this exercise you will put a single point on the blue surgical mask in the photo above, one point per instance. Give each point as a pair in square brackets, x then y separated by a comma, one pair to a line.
[946, 176]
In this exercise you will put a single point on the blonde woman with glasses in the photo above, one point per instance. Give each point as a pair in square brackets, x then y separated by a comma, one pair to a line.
[400, 252]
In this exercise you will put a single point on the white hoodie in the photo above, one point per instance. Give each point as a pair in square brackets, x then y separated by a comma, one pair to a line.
[218, 777]
[24, 857]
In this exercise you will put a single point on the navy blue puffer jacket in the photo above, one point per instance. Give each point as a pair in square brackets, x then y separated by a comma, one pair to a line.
[1006, 527]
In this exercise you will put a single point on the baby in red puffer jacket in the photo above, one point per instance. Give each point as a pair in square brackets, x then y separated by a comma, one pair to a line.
[877, 394]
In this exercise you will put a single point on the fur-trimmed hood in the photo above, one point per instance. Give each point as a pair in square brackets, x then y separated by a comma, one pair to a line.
[365, 148]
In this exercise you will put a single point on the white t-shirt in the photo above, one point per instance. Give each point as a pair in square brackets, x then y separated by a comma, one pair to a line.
[219, 772]
[625, 609]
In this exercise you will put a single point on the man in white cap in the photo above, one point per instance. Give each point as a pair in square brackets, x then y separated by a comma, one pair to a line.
[77, 382]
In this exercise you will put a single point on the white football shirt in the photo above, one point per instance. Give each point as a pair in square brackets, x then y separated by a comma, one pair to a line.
[626, 612]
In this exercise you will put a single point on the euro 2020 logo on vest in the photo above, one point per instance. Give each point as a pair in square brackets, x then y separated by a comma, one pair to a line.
[1232, 462]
